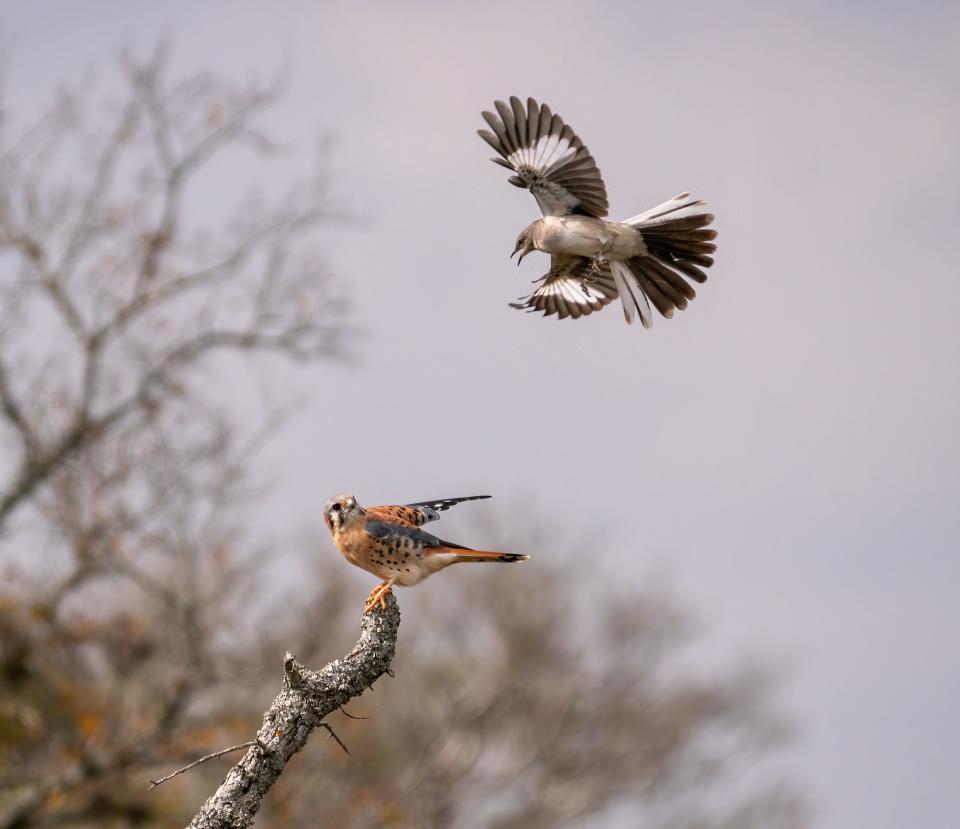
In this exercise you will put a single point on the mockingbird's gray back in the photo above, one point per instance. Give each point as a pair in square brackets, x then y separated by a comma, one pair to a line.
[646, 259]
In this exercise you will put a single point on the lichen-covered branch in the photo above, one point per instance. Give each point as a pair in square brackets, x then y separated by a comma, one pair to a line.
[300, 707]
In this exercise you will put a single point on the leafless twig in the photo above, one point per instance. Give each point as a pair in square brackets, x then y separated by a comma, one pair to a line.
[212, 756]
[351, 716]
[333, 734]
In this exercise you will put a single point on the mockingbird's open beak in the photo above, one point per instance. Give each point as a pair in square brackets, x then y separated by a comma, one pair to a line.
[522, 252]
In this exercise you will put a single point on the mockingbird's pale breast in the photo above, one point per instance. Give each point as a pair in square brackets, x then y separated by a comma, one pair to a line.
[648, 259]
[586, 236]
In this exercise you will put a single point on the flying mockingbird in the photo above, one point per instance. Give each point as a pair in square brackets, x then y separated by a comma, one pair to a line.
[647, 258]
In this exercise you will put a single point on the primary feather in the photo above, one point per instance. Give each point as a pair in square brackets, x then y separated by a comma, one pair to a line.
[547, 157]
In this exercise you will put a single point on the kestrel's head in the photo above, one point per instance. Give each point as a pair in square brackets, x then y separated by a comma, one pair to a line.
[340, 511]
[525, 242]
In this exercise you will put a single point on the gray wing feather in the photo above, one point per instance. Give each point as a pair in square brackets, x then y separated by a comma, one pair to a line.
[431, 509]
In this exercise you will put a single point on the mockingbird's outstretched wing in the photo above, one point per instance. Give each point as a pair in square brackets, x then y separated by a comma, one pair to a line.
[574, 288]
[547, 157]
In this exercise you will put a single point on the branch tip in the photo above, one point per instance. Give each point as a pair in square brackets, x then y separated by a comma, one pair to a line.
[333, 734]
[291, 671]
[213, 756]
[351, 716]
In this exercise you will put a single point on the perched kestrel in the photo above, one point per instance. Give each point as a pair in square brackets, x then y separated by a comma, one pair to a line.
[644, 259]
[388, 542]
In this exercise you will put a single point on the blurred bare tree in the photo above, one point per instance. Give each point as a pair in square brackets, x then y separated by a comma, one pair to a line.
[128, 643]
[122, 475]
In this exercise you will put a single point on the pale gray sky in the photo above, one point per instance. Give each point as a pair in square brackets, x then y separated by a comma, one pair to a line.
[794, 462]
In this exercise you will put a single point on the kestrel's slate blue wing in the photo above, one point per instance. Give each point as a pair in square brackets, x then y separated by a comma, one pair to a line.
[402, 537]
[395, 541]
[547, 157]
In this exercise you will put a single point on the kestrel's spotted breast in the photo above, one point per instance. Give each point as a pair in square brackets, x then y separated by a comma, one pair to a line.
[396, 551]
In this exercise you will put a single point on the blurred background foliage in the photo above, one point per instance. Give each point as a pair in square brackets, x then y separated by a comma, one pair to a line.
[139, 624]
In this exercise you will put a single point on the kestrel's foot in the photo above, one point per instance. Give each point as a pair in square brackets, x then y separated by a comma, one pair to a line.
[378, 595]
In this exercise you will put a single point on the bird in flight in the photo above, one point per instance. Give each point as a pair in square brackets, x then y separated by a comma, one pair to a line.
[388, 542]
[645, 259]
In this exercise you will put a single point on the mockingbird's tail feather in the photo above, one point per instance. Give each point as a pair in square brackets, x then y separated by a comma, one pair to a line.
[631, 295]
[679, 246]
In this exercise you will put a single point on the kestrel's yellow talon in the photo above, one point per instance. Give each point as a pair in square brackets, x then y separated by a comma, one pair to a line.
[378, 595]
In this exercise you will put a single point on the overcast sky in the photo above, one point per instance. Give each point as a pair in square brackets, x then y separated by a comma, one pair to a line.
[790, 455]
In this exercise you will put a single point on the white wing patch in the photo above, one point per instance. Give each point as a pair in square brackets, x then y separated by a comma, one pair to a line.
[549, 151]
[547, 157]
[573, 288]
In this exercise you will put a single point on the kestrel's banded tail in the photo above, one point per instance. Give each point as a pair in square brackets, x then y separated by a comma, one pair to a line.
[465, 554]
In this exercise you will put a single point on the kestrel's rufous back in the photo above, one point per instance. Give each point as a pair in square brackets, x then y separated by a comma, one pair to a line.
[388, 542]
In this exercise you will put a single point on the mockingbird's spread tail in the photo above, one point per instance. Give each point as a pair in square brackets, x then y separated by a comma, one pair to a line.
[645, 259]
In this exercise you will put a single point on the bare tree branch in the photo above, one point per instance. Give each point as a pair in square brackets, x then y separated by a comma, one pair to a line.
[306, 699]
[12, 411]
[88, 218]
[49, 281]
[35, 473]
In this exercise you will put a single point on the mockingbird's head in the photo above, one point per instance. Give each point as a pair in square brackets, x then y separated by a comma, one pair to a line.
[340, 511]
[525, 242]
